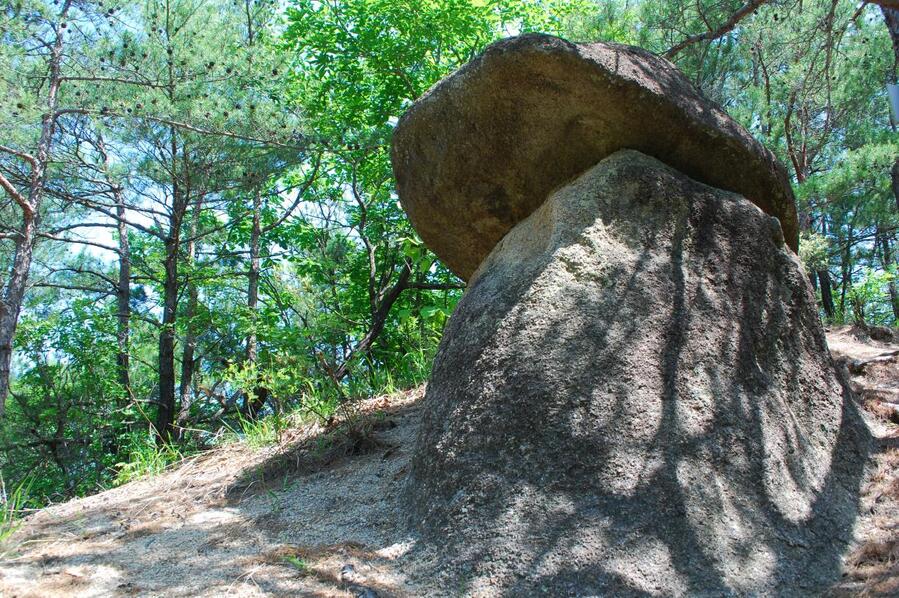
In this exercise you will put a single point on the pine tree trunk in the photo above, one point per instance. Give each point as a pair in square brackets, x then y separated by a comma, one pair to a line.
[894, 175]
[165, 414]
[14, 291]
[845, 272]
[123, 299]
[826, 293]
[891, 17]
[166, 409]
[190, 340]
[11, 303]
[886, 255]
[255, 403]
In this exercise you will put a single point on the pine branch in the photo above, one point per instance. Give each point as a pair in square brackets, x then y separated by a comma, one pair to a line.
[25, 156]
[727, 27]
[10, 189]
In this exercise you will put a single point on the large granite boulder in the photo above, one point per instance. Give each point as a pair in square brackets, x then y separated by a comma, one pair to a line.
[634, 397]
[481, 150]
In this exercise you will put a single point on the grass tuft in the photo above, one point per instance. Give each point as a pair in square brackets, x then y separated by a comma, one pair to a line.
[146, 459]
[12, 505]
[261, 432]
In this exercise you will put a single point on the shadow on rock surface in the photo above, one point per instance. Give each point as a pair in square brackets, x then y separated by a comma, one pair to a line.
[635, 397]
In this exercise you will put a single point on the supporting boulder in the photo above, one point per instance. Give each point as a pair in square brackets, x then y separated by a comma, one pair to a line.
[634, 395]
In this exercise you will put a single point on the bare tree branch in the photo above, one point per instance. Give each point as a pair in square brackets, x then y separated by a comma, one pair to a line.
[27, 208]
[728, 26]
[25, 156]
[180, 125]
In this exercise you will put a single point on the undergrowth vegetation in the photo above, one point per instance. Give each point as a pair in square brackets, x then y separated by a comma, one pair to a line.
[146, 458]
[13, 504]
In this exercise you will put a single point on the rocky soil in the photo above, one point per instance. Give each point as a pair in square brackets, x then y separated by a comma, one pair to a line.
[299, 520]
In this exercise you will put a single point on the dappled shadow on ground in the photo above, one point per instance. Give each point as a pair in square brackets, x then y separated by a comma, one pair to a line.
[872, 567]
[283, 521]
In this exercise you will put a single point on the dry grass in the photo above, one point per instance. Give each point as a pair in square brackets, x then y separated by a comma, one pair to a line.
[336, 566]
[876, 565]
[886, 412]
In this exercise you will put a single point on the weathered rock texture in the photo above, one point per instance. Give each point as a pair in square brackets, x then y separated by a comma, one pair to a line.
[482, 149]
[634, 396]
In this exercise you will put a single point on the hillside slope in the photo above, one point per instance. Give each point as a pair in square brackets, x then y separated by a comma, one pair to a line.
[301, 519]
[233, 521]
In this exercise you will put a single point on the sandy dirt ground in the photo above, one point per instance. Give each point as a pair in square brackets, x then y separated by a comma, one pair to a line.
[872, 568]
[234, 521]
[301, 519]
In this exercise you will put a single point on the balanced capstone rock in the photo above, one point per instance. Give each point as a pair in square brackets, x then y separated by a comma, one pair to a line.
[634, 395]
[483, 148]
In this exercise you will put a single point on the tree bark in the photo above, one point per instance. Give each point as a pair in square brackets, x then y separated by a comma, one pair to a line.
[823, 278]
[166, 411]
[11, 304]
[845, 270]
[886, 260]
[894, 175]
[123, 284]
[253, 277]
[255, 403]
[826, 293]
[180, 193]
[14, 292]
[123, 299]
[891, 18]
[188, 360]
[180, 197]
